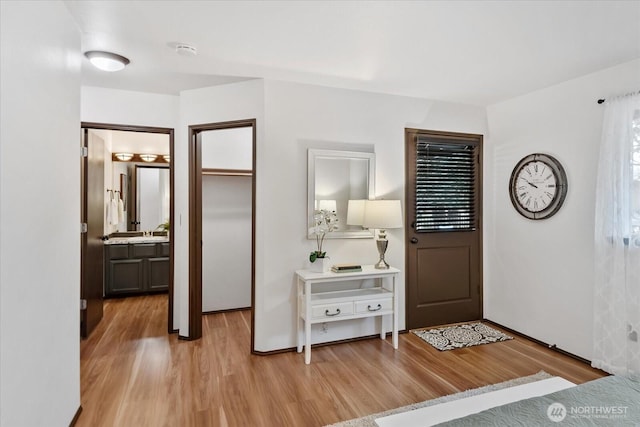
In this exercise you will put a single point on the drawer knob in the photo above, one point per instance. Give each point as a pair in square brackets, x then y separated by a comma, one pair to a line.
[374, 309]
[326, 312]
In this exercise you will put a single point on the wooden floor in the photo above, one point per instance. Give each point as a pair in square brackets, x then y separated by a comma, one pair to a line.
[134, 374]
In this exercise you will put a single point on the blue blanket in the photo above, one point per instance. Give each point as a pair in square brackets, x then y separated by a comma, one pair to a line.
[609, 401]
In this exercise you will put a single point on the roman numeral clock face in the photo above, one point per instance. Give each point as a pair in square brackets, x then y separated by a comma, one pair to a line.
[538, 186]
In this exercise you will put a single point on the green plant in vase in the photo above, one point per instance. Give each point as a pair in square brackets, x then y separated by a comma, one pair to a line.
[324, 221]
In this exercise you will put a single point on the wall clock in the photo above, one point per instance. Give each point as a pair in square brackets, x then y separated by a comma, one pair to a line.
[538, 186]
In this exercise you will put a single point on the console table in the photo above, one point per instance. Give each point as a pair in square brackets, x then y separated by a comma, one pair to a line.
[316, 305]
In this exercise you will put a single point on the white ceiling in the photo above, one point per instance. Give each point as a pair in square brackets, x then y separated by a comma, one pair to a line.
[475, 52]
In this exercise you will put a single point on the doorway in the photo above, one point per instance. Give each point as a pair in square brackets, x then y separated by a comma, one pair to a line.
[247, 171]
[444, 239]
[119, 184]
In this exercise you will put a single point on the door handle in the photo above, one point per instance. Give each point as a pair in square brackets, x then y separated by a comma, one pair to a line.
[414, 240]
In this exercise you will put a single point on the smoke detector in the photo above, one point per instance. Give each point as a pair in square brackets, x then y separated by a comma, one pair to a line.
[186, 50]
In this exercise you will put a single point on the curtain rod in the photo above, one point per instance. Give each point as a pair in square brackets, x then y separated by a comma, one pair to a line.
[603, 100]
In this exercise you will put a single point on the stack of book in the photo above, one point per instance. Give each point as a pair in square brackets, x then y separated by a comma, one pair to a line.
[346, 268]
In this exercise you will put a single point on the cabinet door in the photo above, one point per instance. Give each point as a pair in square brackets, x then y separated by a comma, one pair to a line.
[125, 276]
[158, 279]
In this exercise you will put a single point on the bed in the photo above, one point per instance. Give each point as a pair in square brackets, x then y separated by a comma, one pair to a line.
[609, 401]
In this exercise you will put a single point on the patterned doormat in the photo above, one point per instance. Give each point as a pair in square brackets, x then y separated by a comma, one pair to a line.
[459, 336]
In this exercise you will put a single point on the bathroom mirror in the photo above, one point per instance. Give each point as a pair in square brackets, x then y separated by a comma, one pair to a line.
[334, 178]
[152, 196]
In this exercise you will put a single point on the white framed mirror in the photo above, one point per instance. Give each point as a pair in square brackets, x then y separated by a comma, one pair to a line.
[334, 178]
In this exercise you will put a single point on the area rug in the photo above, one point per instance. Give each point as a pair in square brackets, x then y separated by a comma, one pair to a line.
[369, 420]
[459, 336]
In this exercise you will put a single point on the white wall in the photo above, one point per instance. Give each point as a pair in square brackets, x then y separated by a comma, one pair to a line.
[299, 117]
[39, 214]
[124, 107]
[539, 274]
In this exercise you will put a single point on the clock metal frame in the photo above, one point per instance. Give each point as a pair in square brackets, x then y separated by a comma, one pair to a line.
[561, 186]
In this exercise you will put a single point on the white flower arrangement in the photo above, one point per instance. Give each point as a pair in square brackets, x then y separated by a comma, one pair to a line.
[324, 221]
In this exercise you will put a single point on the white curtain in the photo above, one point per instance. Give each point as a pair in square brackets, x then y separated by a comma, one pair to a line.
[617, 241]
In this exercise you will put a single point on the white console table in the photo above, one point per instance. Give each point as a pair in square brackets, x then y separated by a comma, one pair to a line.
[316, 305]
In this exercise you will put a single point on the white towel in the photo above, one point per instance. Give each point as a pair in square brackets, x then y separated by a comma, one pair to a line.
[120, 210]
[113, 219]
[108, 215]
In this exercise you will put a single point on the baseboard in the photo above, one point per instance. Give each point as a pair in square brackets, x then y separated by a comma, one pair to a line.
[76, 416]
[542, 343]
[228, 310]
[322, 344]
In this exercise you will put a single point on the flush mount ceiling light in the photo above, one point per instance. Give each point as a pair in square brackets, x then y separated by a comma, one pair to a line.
[148, 157]
[125, 157]
[106, 61]
[186, 50]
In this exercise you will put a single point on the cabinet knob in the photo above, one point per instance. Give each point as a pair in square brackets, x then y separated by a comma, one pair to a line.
[414, 240]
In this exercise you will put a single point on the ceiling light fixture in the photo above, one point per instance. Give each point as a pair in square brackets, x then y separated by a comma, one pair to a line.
[125, 157]
[106, 61]
[148, 157]
[186, 50]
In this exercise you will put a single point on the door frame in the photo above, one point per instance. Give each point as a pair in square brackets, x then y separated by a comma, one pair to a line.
[165, 131]
[195, 223]
[409, 133]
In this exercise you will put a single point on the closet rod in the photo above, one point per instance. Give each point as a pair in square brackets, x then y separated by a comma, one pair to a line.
[227, 172]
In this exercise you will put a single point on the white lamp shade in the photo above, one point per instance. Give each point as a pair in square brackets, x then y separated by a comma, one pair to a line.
[382, 214]
[355, 212]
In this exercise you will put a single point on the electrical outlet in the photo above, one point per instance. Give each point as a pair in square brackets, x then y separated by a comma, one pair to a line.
[325, 328]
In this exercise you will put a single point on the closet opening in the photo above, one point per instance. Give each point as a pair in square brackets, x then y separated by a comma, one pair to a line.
[221, 220]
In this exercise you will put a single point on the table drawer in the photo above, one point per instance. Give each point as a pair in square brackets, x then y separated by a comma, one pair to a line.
[372, 306]
[332, 310]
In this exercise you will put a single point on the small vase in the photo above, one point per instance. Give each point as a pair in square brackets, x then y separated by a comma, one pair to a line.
[321, 265]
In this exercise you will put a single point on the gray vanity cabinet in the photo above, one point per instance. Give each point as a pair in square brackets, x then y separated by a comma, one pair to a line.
[136, 268]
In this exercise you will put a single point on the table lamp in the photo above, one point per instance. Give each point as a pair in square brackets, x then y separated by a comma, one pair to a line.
[382, 214]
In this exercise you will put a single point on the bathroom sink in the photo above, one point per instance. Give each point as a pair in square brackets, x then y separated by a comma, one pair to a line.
[136, 239]
[146, 239]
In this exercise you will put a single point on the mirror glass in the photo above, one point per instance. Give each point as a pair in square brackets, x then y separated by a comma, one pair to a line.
[152, 196]
[334, 178]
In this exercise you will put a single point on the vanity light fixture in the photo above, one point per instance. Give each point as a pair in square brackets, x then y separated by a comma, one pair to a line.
[148, 157]
[125, 157]
[167, 158]
[106, 61]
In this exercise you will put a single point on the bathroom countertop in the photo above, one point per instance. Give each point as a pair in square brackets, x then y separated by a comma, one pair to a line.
[136, 239]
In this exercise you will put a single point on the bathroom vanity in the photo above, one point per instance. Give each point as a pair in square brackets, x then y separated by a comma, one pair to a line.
[135, 265]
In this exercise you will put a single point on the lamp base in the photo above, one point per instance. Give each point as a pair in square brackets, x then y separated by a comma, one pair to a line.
[382, 248]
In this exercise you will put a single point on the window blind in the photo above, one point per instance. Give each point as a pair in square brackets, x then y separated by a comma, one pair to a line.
[445, 186]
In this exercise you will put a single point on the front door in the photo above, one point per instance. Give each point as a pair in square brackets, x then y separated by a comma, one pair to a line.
[444, 237]
[92, 252]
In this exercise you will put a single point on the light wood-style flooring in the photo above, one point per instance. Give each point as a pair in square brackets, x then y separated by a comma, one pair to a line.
[134, 374]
